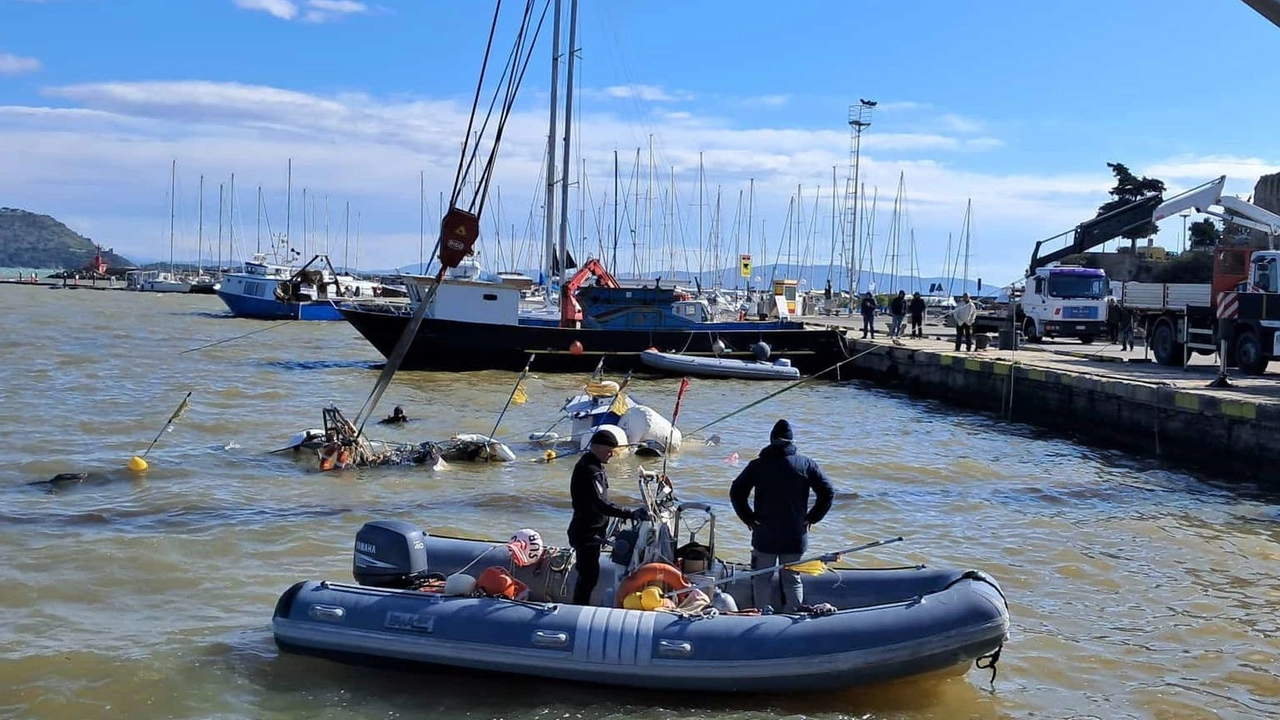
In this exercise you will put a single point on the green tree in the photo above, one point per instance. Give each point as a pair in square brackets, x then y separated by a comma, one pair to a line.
[1203, 234]
[1131, 188]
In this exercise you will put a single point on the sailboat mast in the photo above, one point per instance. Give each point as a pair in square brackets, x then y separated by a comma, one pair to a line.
[221, 197]
[568, 122]
[550, 214]
[200, 230]
[751, 198]
[422, 221]
[173, 175]
[231, 221]
[258, 249]
[614, 262]
[968, 209]
[346, 244]
[305, 253]
[288, 206]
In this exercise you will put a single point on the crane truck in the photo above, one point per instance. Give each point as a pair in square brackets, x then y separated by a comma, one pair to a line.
[1238, 312]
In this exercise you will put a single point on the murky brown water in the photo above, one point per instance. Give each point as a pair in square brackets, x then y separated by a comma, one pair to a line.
[1135, 591]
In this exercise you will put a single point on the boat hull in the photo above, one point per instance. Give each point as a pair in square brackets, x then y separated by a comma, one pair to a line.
[900, 623]
[715, 367]
[269, 308]
[453, 346]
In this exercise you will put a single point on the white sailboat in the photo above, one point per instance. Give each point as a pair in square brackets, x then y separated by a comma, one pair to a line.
[171, 281]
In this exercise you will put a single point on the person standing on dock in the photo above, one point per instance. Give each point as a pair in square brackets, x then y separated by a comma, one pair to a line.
[1125, 320]
[898, 313]
[1113, 319]
[916, 308]
[965, 314]
[868, 309]
[780, 517]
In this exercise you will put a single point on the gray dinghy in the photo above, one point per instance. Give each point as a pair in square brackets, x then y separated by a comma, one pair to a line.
[887, 623]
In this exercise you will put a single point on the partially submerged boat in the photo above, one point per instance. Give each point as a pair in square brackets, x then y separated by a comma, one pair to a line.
[606, 403]
[339, 446]
[720, 367]
[417, 602]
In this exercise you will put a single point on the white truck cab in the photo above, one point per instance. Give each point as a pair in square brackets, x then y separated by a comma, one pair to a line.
[1065, 301]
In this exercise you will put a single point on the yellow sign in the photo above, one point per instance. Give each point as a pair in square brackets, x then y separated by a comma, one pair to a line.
[746, 266]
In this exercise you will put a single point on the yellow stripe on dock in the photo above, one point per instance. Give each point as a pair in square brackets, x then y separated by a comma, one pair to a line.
[1187, 401]
[1244, 410]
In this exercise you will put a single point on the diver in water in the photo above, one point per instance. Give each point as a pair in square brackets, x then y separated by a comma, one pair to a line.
[396, 417]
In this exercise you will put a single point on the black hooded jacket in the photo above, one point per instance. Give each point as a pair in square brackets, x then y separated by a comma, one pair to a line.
[779, 516]
[589, 489]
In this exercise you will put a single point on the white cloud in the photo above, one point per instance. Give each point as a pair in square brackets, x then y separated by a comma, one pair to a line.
[16, 64]
[649, 93]
[768, 100]
[117, 139]
[959, 123]
[283, 9]
[312, 11]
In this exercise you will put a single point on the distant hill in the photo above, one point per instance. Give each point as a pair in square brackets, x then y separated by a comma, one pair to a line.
[31, 240]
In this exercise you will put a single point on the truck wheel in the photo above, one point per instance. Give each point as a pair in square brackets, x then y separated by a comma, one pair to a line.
[1029, 330]
[1086, 339]
[1165, 345]
[1249, 354]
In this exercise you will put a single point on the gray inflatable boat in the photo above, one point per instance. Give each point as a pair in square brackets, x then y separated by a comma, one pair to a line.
[884, 624]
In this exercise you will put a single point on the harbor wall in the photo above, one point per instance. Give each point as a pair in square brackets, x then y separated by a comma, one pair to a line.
[1200, 429]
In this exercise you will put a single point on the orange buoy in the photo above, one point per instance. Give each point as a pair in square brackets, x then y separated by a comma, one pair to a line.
[667, 576]
[575, 348]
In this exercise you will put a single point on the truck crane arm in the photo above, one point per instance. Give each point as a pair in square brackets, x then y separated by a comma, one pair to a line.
[1092, 233]
[1203, 198]
[1269, 9]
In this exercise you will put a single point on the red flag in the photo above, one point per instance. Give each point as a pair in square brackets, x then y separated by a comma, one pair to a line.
[684, 385]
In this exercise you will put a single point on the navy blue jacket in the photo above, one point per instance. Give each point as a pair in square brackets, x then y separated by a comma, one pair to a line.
[779, 516]
[589, 489]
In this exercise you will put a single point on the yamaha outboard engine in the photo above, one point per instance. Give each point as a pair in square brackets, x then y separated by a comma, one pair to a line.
[389, 554]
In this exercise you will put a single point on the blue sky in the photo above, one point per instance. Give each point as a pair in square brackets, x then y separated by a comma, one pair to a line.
[1016, 105]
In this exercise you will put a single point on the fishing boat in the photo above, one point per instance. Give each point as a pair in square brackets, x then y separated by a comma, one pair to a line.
[422, 600]
[719, 367]
[473, 325]
[269, 291]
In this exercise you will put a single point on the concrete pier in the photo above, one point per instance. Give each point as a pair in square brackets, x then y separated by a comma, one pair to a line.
[1095, 391]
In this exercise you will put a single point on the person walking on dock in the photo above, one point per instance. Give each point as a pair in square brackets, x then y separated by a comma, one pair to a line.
[779, 515]
[916, 308]
[965, 314]
[898, 313]
[868, 309]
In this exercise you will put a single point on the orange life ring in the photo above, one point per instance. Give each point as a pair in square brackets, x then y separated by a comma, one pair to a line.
[668, 576]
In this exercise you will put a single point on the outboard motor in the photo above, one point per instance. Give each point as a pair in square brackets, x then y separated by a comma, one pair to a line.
[389, 554]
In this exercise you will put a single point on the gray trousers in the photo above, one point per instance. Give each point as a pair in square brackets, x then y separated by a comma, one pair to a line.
[764, 585]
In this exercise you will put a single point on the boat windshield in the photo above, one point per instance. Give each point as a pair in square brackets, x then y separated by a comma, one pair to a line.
[1093, 287]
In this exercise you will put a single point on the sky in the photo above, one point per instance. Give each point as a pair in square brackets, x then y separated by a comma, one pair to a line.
[1014, 106]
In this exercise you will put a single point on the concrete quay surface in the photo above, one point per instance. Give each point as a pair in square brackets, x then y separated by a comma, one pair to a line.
[1107, 396]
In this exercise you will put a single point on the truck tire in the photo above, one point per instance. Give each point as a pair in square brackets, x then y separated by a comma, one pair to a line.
[1249, 353]
[1165, 345]
[1086, 339]
[1029, 330]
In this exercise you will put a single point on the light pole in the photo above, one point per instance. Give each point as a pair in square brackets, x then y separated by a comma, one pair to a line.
[1184, 215]
[859, 120]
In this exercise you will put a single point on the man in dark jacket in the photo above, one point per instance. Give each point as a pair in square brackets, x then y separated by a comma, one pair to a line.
[868, 309]
[917, 315]
[780, 516]
[589, 489]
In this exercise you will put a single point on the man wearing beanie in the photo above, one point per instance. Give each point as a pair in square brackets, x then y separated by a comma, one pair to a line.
[779, 515]
[589, 489]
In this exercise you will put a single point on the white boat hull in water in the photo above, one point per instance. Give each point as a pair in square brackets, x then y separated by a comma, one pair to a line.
[718, 367]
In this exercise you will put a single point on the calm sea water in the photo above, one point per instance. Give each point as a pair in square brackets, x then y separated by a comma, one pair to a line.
[1135, 590]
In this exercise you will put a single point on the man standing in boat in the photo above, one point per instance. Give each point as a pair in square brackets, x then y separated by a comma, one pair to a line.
[780, 516]
[589, 489]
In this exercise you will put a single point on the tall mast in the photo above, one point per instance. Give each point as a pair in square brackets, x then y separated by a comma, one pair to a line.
[173, 175]
[568, 122]
[220, 199]
[751, 196]
[649, 201]
[550, 214]
[288, 206]
[614, 262]
[968, 209]
[422, 221]
[200, 231]
[305, 252]
[346, 245]
[231, 221]
[258, 250]
[701, 187]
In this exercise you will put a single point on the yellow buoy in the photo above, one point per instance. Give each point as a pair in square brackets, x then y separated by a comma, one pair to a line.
[137, 464]
[651, 598]
[632, 602]
[549, 455]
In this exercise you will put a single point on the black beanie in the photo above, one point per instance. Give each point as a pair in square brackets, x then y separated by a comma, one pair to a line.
[605, 438]
[781, 432]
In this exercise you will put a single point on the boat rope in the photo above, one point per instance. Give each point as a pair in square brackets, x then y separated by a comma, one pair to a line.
[790, 386]
[464, 224]
[988, 661]
[237, 337]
